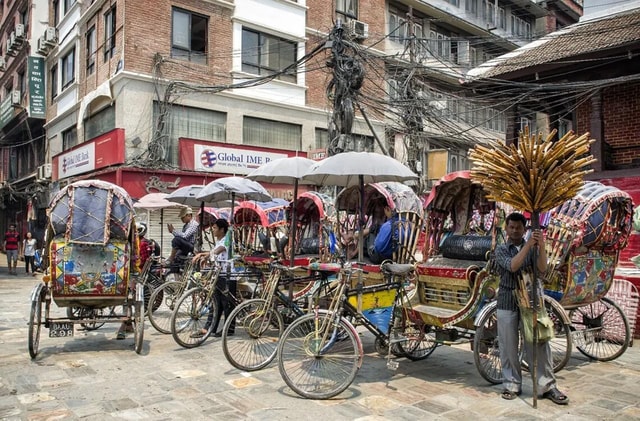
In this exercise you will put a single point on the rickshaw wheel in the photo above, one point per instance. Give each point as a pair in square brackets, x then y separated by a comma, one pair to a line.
[35, 324]
[76, 312]
[607, 327]
[191, 316]
[420, 343]
[138, 328]
[486, 348]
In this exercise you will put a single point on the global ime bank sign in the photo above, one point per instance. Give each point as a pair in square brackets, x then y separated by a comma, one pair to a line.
[237, 159]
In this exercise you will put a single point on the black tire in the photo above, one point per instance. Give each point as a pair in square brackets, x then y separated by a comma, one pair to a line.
[257, 328]
[314, 368]
[486, 348]
[35, 324]
[419, 342]
[160, 318]
[153, 283]
[606, 326]
[191, 316]
[138, 326]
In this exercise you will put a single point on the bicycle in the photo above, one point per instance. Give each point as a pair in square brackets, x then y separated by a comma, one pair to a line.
[320, 353]
[197, 309]
[259, 323]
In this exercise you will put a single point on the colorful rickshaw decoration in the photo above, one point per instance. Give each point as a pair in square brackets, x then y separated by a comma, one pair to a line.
[259, 227]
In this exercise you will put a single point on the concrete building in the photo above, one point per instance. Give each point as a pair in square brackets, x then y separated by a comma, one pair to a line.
[154, 95]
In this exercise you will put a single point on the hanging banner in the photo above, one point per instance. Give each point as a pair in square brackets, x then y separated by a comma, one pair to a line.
[37, 91]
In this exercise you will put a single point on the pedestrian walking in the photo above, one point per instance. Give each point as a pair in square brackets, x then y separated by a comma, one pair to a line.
[10, 245]
[29, 245]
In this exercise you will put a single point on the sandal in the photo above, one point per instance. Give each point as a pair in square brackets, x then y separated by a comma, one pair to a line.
[556, 396]
[121, 335]
[509, 395]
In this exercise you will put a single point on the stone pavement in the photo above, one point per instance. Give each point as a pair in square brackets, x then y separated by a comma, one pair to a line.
[93, 376]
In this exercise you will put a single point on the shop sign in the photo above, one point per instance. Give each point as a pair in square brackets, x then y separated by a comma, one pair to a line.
[36, 87]
[219, 159]
[154, 185]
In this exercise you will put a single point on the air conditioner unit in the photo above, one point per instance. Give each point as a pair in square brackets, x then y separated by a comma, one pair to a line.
[43, 48]
[50, 36]
[20, 35]
[358, 29]
[3, 64]
[15, 97]
[11, 47]
[44, 172]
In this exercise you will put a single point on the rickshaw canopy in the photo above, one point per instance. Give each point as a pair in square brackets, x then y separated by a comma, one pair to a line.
[267, 214]
[91, 212]
[397, 196]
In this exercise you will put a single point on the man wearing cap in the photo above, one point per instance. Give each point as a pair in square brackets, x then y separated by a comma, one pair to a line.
[183, 240]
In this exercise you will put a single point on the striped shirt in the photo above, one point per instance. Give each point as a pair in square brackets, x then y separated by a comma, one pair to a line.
[189, 231]
[508, 279]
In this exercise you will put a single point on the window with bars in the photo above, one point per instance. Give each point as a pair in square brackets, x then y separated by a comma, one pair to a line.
[189, 36]
[101, 122]
[193, 123]
[270, 133]
[91, 50]
[53, 81]
[348, 8]
[109, 33]
[68, 68]
[264, 54]
[69, 138]
[440, 45]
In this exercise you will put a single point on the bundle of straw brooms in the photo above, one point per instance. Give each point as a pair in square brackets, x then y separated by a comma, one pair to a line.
[536, 175]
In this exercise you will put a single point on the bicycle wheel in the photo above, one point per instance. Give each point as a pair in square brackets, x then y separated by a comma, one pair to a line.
[152, 283]
[486, 348]
[317, 368]
[602, 330]
[250, 335]
[35, 324]
[160, 318]
[194, 313]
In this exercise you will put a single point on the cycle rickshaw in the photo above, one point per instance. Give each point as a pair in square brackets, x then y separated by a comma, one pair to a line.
[91, 254]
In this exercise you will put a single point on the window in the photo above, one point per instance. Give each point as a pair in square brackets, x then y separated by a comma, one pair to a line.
[189, 36]
[56, 12]
[22, 83]
[91, 50]
[440, 45]
[274, 134]
[194, 123]
[109, 33]
[54, 81]
[101, 122]
[264, 54]
[24, 19]
[68, 68]
[69, 138]
[322, 138]
[348, 8]
[67, 5]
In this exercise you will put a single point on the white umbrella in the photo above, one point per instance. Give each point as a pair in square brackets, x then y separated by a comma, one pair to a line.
[154, 202]
[357, 169]
[285, 171]
[186, 195]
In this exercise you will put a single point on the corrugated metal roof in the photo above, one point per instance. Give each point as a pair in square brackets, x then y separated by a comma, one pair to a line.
[581, 38]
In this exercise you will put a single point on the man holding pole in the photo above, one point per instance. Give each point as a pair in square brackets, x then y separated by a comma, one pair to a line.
[513, 258]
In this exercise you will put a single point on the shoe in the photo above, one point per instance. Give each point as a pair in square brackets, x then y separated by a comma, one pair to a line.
[556, 396]
[217, 334]
[199, 334]
[509, 395]
[121, 335]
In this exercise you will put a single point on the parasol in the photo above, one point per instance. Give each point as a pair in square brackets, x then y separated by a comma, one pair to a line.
[154, 202]
[357, 169]
[535, 176]
[285, 171]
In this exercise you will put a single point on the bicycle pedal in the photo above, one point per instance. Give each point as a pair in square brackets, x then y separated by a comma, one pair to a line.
[393, 365]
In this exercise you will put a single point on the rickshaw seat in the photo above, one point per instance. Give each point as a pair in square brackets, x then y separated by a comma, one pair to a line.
[409, 225]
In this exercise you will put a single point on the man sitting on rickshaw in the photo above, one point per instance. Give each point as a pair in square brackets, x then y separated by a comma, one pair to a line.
[184, 240]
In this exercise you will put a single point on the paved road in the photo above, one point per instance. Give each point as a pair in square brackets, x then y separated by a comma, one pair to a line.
[93, 376]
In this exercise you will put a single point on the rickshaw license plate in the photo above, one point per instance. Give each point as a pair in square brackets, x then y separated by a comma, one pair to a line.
[582, 338]
[61, 330]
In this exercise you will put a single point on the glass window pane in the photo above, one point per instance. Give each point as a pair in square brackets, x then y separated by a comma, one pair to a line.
[250, 50]
[181, 29]
[198, 34]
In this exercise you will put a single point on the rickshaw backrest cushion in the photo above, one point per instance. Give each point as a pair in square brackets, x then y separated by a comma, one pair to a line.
[466, 247]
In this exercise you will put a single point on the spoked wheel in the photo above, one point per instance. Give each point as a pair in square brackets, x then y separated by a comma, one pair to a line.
[602, 330]
[486, 348]
[138, 328]
[35, 321]
[318, 364]
[150, 287]
[167, 295]
[193, 316]
[250, 335]
[86, 313]
[418, 343]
